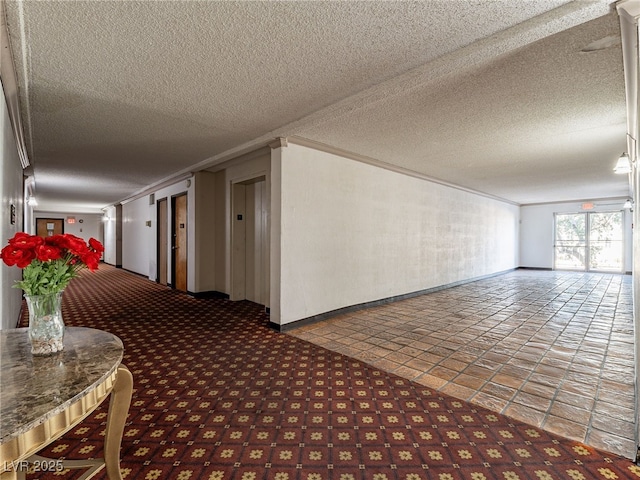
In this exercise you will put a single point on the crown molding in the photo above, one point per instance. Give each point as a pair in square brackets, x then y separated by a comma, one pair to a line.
[305, 142]
[279, 142]
[10, 86]
[630, 9]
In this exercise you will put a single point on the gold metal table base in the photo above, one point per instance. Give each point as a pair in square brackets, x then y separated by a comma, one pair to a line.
[23, 448]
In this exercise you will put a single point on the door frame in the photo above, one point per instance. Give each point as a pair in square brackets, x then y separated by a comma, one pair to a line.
[587, 262]
[162, 229]
[61, 220]
[238, 261]
[174, 230]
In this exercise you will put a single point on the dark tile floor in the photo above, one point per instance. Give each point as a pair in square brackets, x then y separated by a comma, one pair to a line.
[553, 349]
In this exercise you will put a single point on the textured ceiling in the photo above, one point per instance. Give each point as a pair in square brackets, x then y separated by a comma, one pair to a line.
[490, 95]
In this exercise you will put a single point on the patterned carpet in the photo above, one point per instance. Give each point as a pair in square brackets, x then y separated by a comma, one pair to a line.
[219, 396]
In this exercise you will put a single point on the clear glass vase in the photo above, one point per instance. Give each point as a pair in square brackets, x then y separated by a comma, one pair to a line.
[46, 327]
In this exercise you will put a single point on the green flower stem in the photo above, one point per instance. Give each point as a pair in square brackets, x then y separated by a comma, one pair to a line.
[41, 278]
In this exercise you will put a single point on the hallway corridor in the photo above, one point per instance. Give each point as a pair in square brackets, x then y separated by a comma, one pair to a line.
[552, 349]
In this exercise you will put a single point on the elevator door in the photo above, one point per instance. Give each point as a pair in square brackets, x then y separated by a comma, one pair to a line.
[249, 240]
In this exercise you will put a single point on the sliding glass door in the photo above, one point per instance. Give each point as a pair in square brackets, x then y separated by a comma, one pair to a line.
[571, 241]
[605, 241]
[591, 241]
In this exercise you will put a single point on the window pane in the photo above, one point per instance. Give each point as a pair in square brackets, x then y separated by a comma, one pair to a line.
[605, 241]
[570, 251]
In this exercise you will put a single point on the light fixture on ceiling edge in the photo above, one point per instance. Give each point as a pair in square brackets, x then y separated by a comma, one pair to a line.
[623, 165]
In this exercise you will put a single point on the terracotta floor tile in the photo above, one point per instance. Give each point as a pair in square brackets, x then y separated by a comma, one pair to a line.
[565, 428]
[477, 371]
[608, 442]
[431, 358]
[549, 348]
[570, 412]
[410, 351]
[547, 380]
[379, 351]
[515, 372]
[535, 402]
[539, 390]
[495, 404]
[419, 364]
[615, 411]
[624, 397]
[398, 357]
[488, 364]
[495, 357]
[431, 381]
[444, 373]
[458, 391]
[386, 365]
[524, 414]
[606, 423]
[579, 388]
[499, 391]
[454, 365]
[408, 372]
[463, 356]
[574, 400]
[550, 370]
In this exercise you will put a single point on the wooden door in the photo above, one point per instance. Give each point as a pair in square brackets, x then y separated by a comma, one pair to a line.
[163, 241]
[46, 227]
[179, 246]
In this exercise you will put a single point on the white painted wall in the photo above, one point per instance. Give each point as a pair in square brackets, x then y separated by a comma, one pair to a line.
[110, 217]
[138, 248]
[537, 230]
[352, 233]
[139, 240]
[11, 193]
[205, 231]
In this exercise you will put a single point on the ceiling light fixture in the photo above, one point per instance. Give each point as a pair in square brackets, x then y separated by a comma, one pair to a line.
[623, 165]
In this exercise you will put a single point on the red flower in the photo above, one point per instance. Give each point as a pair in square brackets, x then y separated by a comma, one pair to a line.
[17, 256]
[59, 241]
[46, 252]
[25, 241]
[41, 259]
[96, 245]
[91, 260]
[76, 245]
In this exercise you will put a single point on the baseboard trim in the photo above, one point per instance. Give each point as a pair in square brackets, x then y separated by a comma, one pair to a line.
[376, 303]
[549, 269]
[141, 275]
[212, 294]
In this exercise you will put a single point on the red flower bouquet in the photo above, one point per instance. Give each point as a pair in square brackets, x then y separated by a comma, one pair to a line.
[50, 263]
